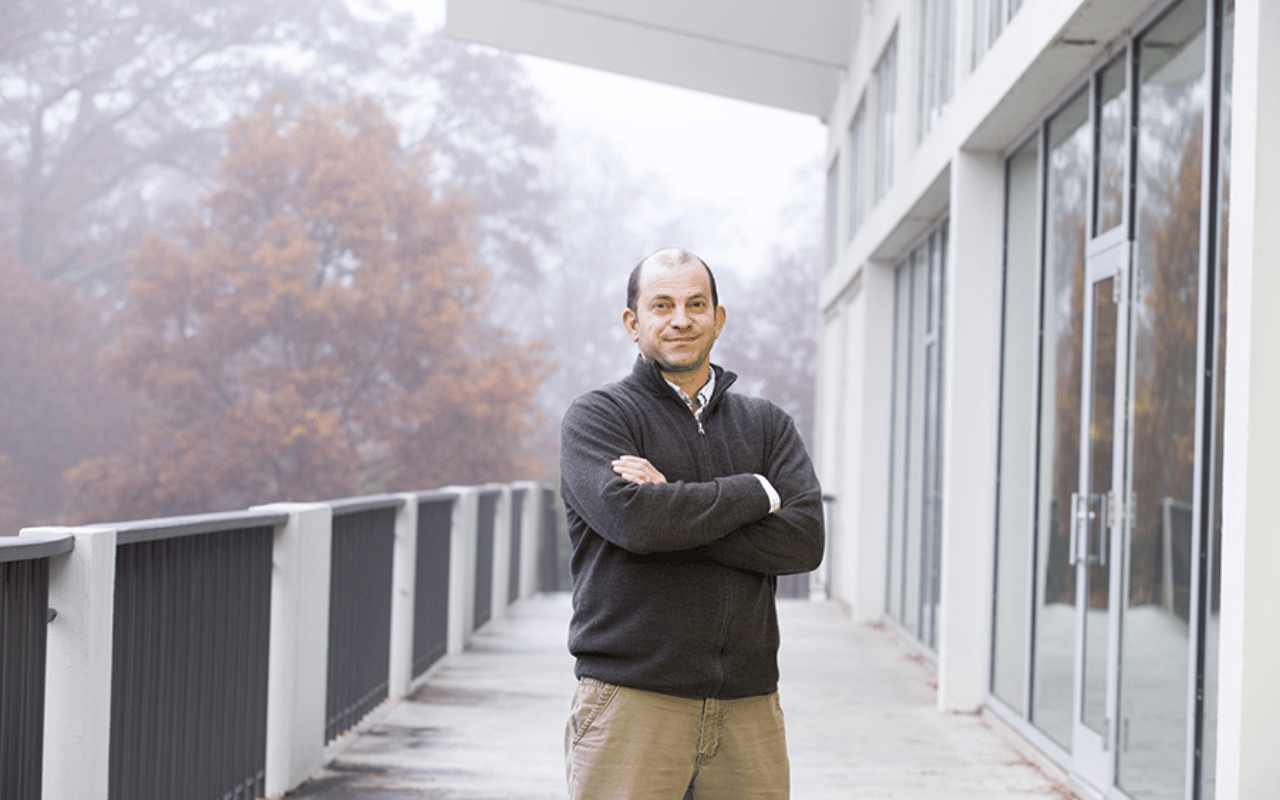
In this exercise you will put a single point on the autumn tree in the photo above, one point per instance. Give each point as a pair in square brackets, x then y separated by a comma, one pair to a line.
[110, 109]
[316, 330]
[53, 408]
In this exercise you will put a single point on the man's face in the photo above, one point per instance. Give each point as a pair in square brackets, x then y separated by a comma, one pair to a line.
[674, 323]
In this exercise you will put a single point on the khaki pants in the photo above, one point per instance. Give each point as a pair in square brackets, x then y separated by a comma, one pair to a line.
[625, 744]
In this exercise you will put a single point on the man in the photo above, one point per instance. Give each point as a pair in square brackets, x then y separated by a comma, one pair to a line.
[684, 503]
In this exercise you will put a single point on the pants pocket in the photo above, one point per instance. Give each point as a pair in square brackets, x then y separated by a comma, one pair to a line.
[589, 703]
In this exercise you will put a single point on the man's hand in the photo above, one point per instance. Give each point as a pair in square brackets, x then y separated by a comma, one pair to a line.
[637, 470]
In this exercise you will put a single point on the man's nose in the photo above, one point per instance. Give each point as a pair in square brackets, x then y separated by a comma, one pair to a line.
[680, 319]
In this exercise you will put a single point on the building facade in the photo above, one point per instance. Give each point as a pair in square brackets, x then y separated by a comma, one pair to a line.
[1048, 364]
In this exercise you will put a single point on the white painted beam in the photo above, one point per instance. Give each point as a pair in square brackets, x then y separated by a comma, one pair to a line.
[762, 66]
[1249, 647]
[970, 425]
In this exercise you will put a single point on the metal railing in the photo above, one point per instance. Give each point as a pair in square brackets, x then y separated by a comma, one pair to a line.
[485, 529]
[189, 657]
[517, 523]
[24, 622]
[431, 587]
[364, 532]
[188, 654]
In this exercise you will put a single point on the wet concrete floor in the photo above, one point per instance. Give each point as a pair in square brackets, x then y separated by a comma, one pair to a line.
[861, 722]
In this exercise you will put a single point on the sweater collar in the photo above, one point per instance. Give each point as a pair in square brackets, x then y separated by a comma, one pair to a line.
[647, 374]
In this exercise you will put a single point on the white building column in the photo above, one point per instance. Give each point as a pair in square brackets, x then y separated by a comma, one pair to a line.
[77, 708]
[298, 654]
[868, 508]
[970, 424]
[1249, 647]
[404, 574]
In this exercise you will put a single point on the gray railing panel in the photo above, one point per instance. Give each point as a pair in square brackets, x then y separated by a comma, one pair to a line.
[553, 564]
[189, 665]
[485, 521]
[359, 614]
[24, 609]
[431, 588]
[517, 526]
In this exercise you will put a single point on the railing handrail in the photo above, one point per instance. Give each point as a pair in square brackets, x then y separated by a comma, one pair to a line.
[368, 502]
[149, 530]
[35, 545]
[441, 552]
[432, 495]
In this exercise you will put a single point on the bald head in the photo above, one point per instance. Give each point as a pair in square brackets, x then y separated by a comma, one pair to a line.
[667, 257]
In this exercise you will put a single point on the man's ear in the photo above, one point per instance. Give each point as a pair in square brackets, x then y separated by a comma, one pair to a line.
[720, 317]
[632, 323]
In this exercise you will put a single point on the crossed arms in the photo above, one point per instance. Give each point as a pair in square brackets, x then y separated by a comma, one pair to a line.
[625, 499]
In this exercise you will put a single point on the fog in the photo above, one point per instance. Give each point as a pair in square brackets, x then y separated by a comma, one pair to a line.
[314, 248]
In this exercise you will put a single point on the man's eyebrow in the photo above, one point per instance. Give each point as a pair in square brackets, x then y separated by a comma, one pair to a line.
[694, 296]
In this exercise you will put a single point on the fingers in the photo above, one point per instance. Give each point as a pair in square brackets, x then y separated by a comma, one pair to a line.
[637, 470]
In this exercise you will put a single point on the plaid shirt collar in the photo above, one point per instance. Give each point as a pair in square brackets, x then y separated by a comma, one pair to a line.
[704, 394]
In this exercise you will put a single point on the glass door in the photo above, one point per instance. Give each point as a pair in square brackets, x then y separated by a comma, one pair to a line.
[1096, 516]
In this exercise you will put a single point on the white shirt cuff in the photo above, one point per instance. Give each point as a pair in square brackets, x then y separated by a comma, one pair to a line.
[775, 502]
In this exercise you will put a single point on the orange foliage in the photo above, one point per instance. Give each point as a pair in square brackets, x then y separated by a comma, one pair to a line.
[316, 332]
[53, 409]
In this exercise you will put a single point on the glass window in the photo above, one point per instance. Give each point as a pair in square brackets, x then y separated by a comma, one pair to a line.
[1211, 596]
[886, 85]
[898, 464]
[1061, 358]
[857, 161]
[833, 220]
[1154, 644]
[989, 19]
[935, 62]
[1017, 430]
[1112, 132]
[912, 584]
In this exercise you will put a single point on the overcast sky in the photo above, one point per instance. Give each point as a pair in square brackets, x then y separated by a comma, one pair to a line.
[729, 155]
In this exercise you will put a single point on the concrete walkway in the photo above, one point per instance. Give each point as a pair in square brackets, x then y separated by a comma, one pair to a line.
[861, 722]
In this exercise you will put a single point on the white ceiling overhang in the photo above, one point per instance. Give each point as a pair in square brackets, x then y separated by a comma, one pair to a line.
[784, 54]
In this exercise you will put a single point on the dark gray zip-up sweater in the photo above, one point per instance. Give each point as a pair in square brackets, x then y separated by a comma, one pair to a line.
[673, 583]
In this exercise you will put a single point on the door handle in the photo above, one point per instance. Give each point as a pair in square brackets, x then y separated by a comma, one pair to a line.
[1104, 519]
[1073, 548]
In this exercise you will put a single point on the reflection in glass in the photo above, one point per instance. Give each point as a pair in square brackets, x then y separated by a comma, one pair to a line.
[1017, 433]
[1066, 182]
[1212, 591]
[833, 201]
[914, 494]
[1154, 659]
[915, 450]
[931, 575]
[886, 85]
[898, 433]
[1109, 177]
[857, 164]
[1094, 529]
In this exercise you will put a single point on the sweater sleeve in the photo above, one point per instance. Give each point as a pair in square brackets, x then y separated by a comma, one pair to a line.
[792, 539]
[645, 518]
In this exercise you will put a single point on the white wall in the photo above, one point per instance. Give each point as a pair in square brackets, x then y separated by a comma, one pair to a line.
[1249, 644]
